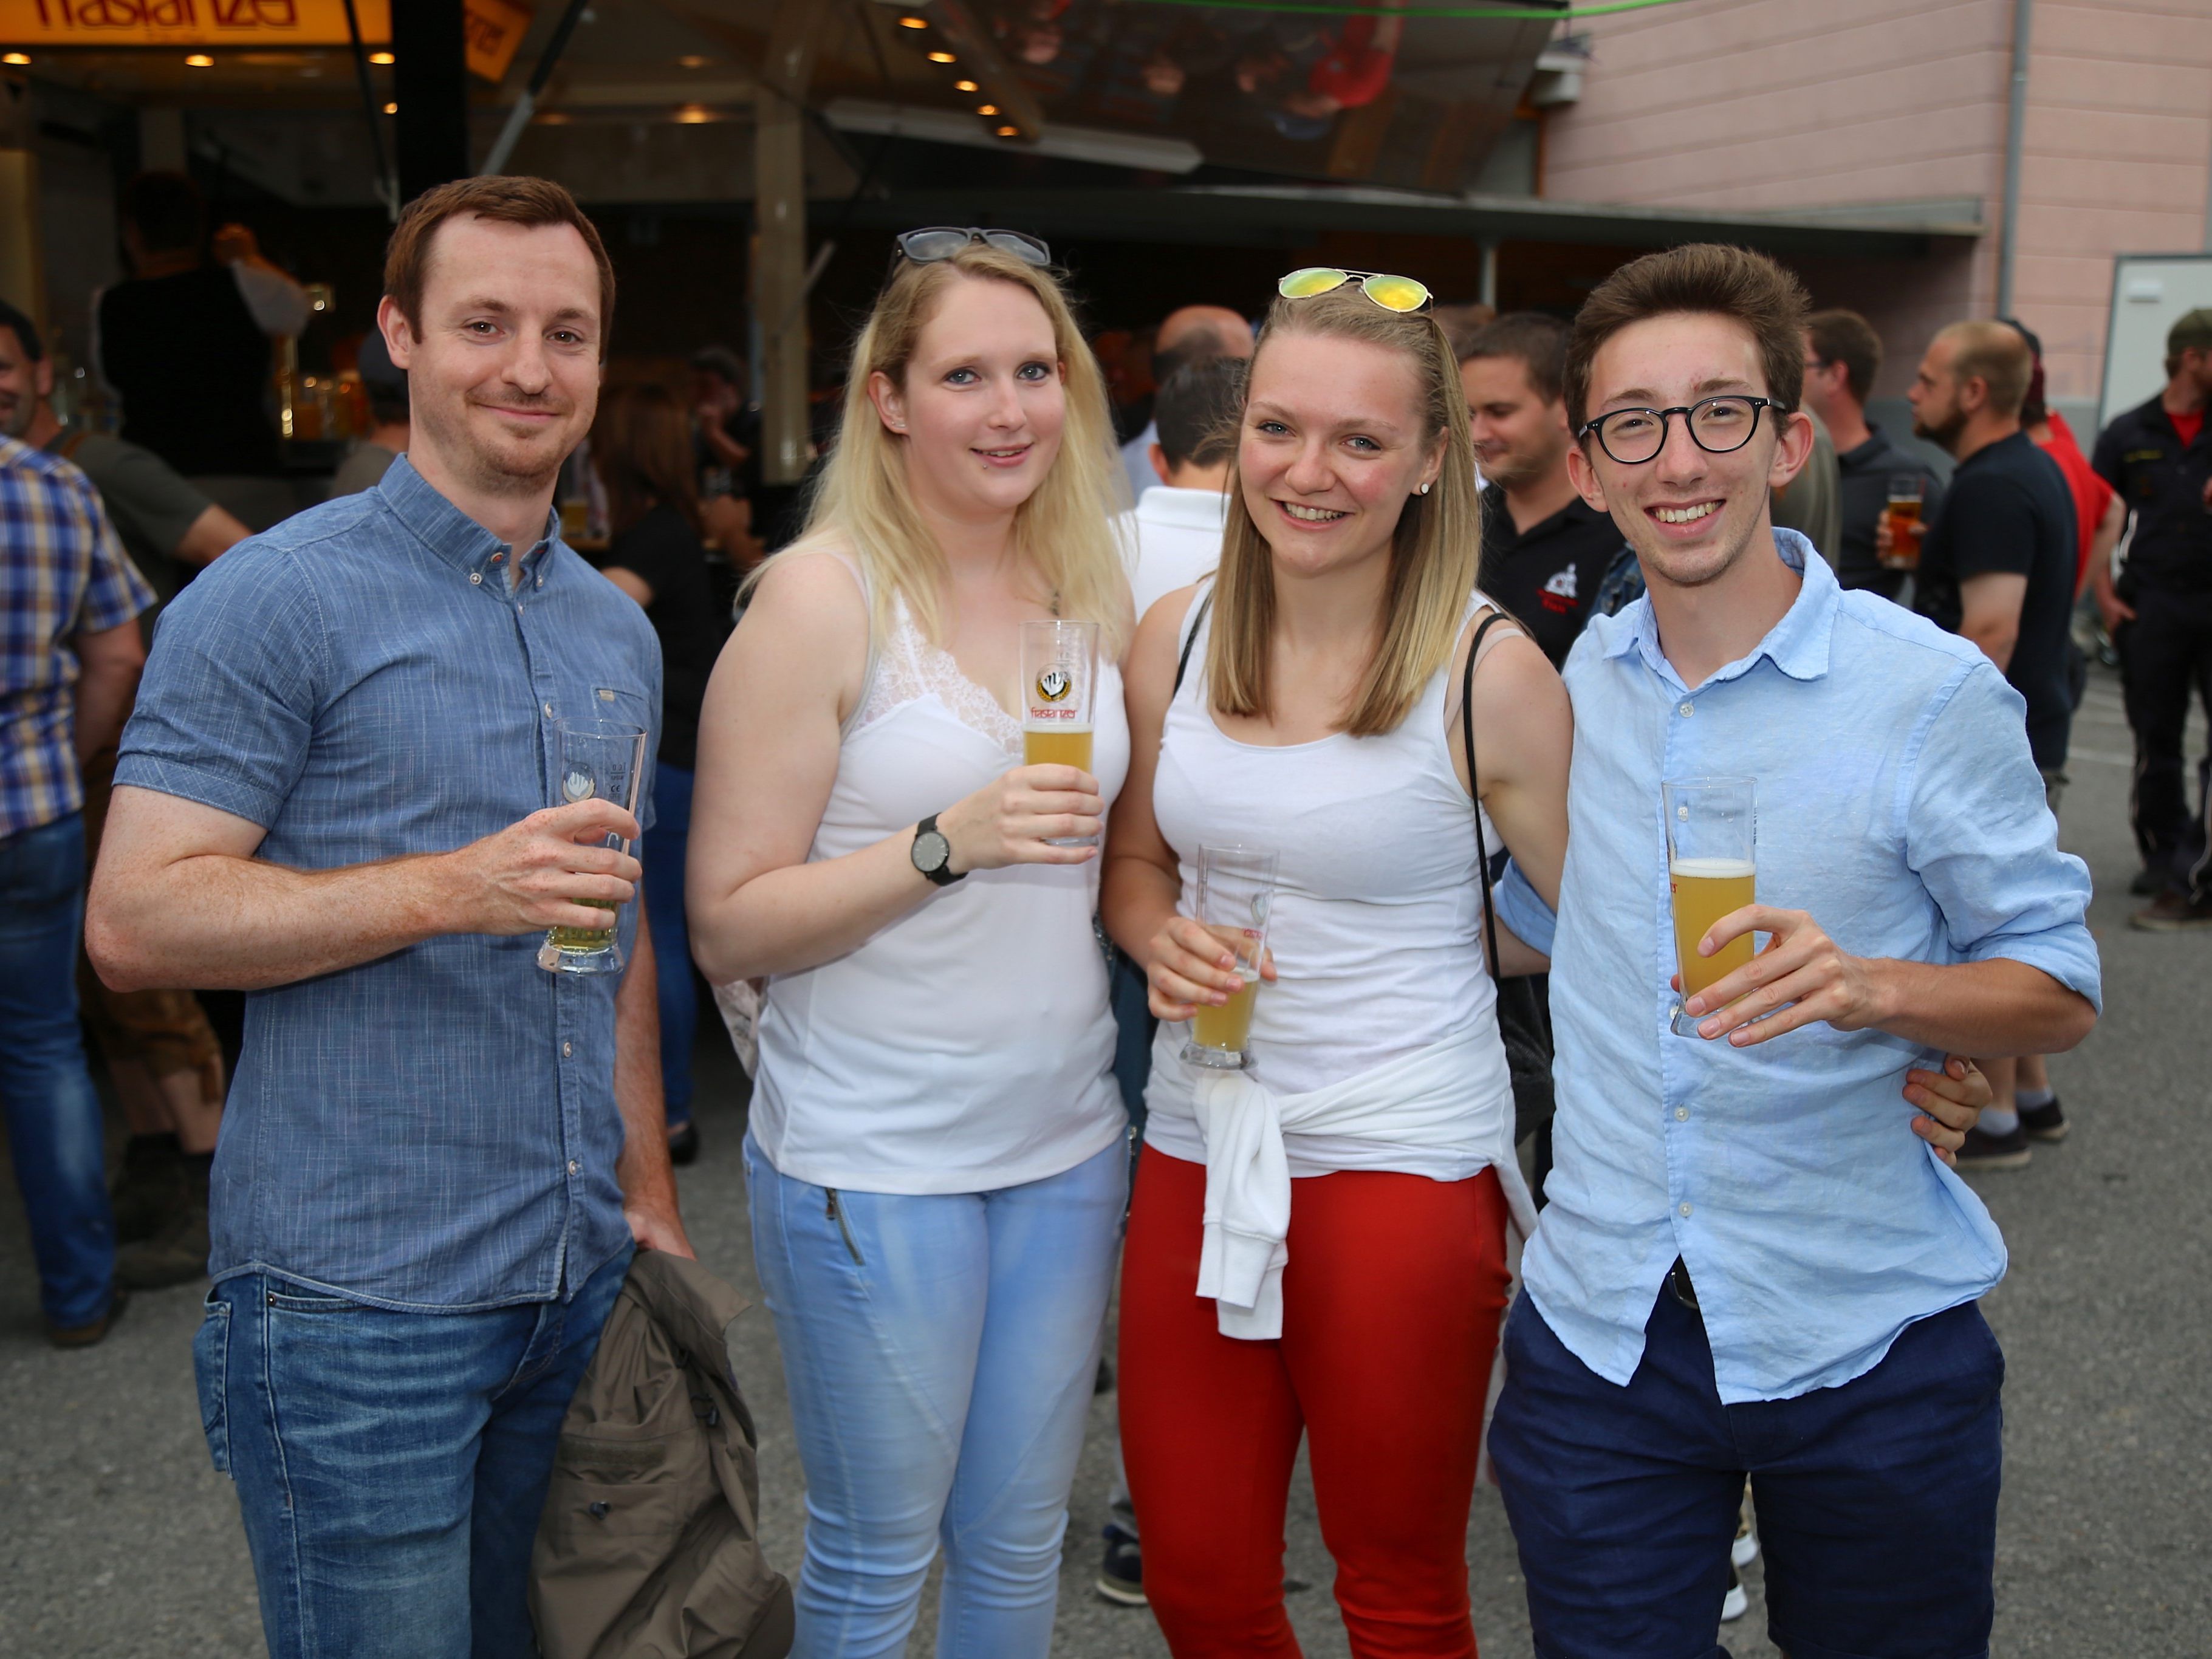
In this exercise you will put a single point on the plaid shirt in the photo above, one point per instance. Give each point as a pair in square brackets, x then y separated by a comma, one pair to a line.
[63, 573]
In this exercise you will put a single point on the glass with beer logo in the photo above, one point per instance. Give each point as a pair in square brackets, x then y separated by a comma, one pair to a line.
[1236, 892]
[1060, 686]
[1711, 870]
[599, 760]
[1906, 491]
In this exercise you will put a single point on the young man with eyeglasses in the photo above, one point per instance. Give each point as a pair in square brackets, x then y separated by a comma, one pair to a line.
[1748, 1265]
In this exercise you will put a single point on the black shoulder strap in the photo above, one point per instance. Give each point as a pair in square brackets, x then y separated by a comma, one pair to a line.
[1197, 622]
[1475, 788]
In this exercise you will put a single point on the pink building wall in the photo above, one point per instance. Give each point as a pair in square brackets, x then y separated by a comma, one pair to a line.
[1784, 104]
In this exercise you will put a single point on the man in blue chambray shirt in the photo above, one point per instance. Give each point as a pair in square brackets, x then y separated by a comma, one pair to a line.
[436, 1156]
[1747, 1266]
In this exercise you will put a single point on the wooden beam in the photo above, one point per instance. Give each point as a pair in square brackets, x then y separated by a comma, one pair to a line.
[780, 244]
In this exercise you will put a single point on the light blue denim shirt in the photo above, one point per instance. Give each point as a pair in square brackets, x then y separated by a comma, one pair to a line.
[1898, 805]
[436, 1129]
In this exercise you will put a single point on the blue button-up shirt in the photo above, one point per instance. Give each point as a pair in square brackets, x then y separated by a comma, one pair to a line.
[1898, 805]
[436, 1129]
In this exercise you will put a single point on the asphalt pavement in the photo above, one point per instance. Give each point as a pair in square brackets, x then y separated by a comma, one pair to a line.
[117, 1540]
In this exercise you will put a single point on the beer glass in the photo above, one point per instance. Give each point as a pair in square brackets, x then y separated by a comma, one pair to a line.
[1236, 891]
[1906, 491]
[1060, 685]
[600, 760]
[1711, 864]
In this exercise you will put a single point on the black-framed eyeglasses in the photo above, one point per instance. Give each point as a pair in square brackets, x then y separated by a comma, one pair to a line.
[935, 242]
[1718, 425]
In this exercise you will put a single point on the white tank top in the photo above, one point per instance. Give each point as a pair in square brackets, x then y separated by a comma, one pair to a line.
[1376, 926]
[968, 1046]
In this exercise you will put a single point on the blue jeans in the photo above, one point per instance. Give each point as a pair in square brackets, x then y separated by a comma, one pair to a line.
[391, 1467]
[1877, 1499]
[53, 1114]
[941, 1352]
[663, 853]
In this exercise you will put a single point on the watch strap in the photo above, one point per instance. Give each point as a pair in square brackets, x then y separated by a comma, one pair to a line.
[942, 874]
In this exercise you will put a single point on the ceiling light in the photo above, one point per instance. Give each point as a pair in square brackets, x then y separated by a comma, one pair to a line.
[16, 58]
[910, 21]
[965, 86]
[692, 115]
[199, 60]
[551, 118]
[693, 60]
[987, 109]
[382, 58]
[1010, 132]
[942, 58]
[392, 109]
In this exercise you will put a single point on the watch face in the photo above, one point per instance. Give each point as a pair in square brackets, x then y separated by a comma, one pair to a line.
[931, 851]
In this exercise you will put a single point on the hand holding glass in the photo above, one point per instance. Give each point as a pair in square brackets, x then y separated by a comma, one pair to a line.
[599, 760]
[1711, 870]
[1060, 686]
[1235, 894]
[1906, 491]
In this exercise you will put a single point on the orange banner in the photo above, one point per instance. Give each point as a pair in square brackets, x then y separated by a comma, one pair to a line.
[250, 23]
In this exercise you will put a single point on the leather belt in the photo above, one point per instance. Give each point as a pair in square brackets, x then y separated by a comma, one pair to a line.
[1677, 1281]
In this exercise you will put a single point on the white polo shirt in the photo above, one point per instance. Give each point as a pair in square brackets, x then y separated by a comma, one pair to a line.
[1176, 534]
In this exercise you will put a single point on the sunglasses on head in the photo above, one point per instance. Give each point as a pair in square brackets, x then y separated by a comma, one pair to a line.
[927, 246]
[1399, 294]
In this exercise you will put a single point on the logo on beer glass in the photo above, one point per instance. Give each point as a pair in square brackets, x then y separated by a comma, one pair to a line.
[575, 786]
[1054, 684]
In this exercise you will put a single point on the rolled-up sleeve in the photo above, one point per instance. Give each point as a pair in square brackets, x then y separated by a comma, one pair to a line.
[1977, 830]
[1520, 908]
[227, 704]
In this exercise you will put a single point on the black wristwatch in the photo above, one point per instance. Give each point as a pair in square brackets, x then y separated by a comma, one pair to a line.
[932, 854]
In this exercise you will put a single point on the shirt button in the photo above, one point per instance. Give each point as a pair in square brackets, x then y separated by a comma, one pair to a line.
[1682, 1115]
[1685, 1208]
[568, 1049]
[548, 711]
[476, 578]
[541, 581]
[573, 1166]
[1688, 710]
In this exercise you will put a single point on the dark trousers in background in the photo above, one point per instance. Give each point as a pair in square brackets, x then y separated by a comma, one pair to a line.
[2165, 654]
[46, 1089]
[663, 853]
[391, 1467]
[1877, 1499]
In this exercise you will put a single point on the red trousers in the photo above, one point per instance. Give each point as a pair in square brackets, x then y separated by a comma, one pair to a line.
[1391, 1304]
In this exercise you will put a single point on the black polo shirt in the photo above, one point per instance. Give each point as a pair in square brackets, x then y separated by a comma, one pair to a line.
[2008, 511]
[1867, 470]
[2141, 455]
[1548, 578]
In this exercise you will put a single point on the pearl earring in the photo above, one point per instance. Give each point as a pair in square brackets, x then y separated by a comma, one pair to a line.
[1424, 490]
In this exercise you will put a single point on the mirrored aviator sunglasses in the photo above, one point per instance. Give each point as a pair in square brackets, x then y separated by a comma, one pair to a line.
[937, 242]
[1399, 294]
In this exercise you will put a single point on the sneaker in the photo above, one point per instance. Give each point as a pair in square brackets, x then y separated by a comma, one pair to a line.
[684, 1144]
[2173, 913]
[86, 1336]
[1983, 1151]
[1735, 1603]
[2045, 1122]
[1121, 1576]
[1744, 1550]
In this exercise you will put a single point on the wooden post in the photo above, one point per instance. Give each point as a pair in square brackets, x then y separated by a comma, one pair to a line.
[780, 246]
[22, 256]
[431, 84]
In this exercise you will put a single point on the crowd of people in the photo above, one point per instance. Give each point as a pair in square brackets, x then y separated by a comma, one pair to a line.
[1433, 617]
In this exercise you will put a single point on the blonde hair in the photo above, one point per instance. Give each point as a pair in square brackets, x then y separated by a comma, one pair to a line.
[1065, 527]
[1435, 550]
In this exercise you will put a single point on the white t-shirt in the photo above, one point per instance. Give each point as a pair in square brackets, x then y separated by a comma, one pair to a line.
[1176, 534]
[1136, 463]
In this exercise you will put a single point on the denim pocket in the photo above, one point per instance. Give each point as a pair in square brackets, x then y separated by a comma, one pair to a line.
[211, 1371]
[310, 1304]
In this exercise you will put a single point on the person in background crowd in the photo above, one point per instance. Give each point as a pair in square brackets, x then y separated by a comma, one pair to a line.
[1842, 354]
[1188, 336]
[2158, 458]
[162, 1055]
[1704, 1297]
[2099, 515]
[1812, 503]
[1544, 549]
[642, 445]
[186, 342]
[727, 429]
[1370, 1145]
[437, 1158]
[1175, 529]
[1462, 323]
[366, 462]
[1996, 567]
[936, 1162]
[68, 659]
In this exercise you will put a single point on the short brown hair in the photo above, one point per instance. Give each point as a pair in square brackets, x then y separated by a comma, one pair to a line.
[513, 199]
[1703, 278]
[1995, 354]
[1540, 342]
[1846, 338]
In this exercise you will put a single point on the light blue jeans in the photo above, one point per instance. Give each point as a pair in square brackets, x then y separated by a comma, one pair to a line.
[940, 1353]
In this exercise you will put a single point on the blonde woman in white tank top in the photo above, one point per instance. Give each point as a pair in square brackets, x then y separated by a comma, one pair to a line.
[1317, 1245]
[935, 1166]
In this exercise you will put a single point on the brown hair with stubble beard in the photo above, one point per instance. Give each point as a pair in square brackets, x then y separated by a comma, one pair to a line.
[1700, 279]
[514, 199]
